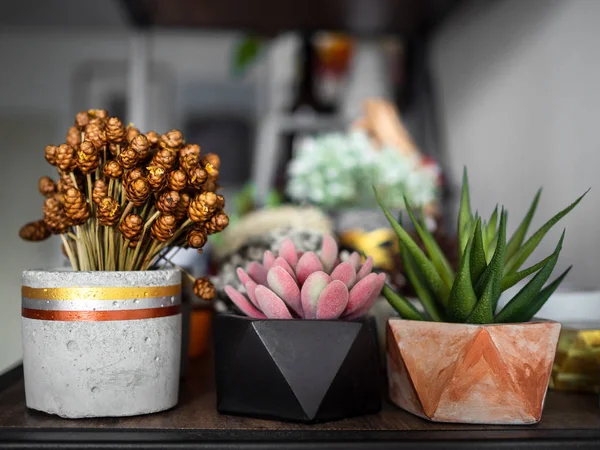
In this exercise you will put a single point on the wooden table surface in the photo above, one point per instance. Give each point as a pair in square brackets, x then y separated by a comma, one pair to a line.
[569, 421]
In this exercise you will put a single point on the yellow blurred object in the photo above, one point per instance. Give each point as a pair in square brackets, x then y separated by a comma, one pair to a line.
[577, 363]
[200, 322]
[380, 244]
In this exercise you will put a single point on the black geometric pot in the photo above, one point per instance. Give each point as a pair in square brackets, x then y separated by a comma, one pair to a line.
[296, 370]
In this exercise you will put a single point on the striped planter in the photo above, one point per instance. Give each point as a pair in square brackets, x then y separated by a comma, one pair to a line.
[101, 344]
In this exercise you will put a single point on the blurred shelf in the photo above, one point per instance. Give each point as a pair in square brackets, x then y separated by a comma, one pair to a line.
[569, 421]
[269, 17]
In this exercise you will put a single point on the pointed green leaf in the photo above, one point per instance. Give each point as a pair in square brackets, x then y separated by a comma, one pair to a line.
[493, 272]
[462, 298]
[484, 309]
[402, 305]
[433, 250]
[426, 267]
[541, 299]
[416, 280]
[519, 235]
[478, 262]
[510, 280]
[522, 300]
[517, 260]
[492, 224]
[464, 214]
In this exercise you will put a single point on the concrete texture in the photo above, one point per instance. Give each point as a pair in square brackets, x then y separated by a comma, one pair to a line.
[101, 368]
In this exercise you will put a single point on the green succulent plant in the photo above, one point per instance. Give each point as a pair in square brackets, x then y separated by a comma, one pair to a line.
[488, 265]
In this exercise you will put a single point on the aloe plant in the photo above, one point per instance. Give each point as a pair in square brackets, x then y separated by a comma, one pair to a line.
[489, 263]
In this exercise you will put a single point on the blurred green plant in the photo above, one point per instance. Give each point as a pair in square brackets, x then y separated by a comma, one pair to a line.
[245, 53]
[489, 264]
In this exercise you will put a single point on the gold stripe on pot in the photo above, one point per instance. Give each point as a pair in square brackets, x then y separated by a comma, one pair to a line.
[100, 293]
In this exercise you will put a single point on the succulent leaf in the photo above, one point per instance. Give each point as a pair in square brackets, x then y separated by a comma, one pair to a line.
[329, 253]
[307, 264]
[426, 267]
[493, 272]
[462, 298]
[484, 309]
[529, 246]
[510, 280]
[464, 215]
[288, 251]
[251, 291]
[268, 259]
[243, 276]
[366, 306]
[280, 262]
[524, 297]
[490, 234]
[365, 269]
[333, 300]
[540, 299]
[419, 285]
[310, 292]
[285, 286]
[242, 302]
[361, 292]
[257, 272]
[402, 305]
[478, 262]
[346, 273]
[433, 250]
[271, 305]
[518, 236]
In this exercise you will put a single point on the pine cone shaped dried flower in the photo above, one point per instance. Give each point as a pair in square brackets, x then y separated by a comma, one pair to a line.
[65, 158]
[167, 202]
[202, 207]
[87, 157]
[101, 114]
[173, 139]
[54, 216]
[138, 191]
[34, 231]
[115, 130]
[112, 169]
[197, 237]
[153, 138]
[100, 191]
[95, 134]
[212, 159]
[77, 208]
[82, 119]
[189, 157]
[132, 175]
[47, 187]
[164, 227]
[109, 212]
[73, 137]
[217, 223]
[131, 227]
[165, 158]
[128, 158]
[181, 211]
[213, 174]
[210, 186]
[197, 178]
[131, 132]
[220, 202]
[141, 146]
[65, 182]
[157, 178]
[114, 149]
[204, 289]
[177, 180]
[50, 154]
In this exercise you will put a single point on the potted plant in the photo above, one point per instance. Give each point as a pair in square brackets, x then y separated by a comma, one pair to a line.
[458, 360]
[104, 339]
[303, 351]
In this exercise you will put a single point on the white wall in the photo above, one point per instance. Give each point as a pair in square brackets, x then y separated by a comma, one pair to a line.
[520, 97]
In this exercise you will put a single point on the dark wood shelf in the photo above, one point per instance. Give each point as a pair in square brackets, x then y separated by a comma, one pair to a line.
[569, 421]
[269, 17]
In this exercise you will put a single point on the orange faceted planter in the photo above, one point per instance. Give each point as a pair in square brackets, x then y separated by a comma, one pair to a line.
[450, 372]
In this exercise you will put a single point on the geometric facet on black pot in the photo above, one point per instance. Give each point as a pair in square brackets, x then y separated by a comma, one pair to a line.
[296, 370]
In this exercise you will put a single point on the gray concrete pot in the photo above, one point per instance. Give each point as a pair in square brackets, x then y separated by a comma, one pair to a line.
[101, 344]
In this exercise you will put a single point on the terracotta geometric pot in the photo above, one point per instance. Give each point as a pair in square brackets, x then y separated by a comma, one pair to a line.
[490, 374]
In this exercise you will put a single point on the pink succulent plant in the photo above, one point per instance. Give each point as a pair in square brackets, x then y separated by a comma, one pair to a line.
[293, 285]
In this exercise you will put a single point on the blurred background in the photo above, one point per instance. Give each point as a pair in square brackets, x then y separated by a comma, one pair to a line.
[508, 88]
